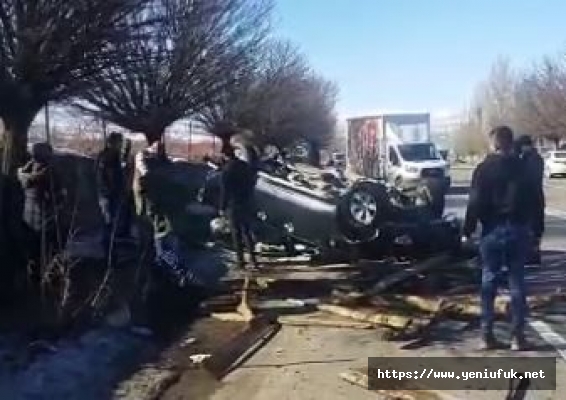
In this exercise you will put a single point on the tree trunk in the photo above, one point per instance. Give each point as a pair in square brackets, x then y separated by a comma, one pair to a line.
[16, 128]
[154, 136]
[225, 140]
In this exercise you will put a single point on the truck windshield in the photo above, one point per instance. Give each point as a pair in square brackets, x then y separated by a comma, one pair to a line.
[418, 152]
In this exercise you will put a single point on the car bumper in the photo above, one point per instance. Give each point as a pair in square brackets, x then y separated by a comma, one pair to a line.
[557, 169]
[414, 181]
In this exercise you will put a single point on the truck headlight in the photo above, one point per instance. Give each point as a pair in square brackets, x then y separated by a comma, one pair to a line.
[411, 169]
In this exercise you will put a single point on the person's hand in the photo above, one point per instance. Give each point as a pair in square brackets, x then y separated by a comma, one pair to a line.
[38, 173]
[465, 239]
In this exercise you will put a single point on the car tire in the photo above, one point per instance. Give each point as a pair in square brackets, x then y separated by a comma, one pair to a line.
[547, 174]
[398, 182]
[433, 194]
[362, 210]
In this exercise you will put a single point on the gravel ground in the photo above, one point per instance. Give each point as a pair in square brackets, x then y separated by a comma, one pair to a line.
[85, 368]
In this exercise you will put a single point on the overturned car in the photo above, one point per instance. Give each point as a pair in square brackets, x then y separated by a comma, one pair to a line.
[366, 215]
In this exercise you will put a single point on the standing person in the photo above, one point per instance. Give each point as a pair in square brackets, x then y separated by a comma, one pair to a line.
[43, 204]
[246, 151]
[145, 161]
[128, 166]
[534, 165]
[501, 199]
[238, 189]
[111, 186]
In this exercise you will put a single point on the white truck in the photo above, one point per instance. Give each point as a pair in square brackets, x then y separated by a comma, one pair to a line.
[396, 148]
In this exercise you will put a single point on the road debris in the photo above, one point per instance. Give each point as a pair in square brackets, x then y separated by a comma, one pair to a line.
[361, 379]
[188, 341]
[398, 322]
[259, 331]
[323, 319]
[147, 384]
[407, 273]
[244, 307]
[199, 358]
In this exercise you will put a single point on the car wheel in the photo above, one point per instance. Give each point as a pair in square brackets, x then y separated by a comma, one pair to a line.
[547, 174]
[362, 210]
[433, 194]
[398, 182]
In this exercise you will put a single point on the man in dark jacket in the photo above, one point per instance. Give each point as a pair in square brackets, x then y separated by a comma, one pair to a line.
[502, 199]
[111, 186]
[238, 188]
[534, 165]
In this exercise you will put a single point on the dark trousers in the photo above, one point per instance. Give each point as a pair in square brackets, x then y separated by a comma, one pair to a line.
[241, 221]
[505, 246]
[115, 213]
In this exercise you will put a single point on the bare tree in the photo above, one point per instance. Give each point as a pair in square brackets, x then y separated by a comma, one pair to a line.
[495, 97]
[49, 51]
[197, 50]
[249, 101]
[283, 102]
[470, 139]
[541, 100]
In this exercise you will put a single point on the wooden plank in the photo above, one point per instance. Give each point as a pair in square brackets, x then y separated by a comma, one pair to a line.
[383, 319]
[229, 317]
[356, 378]
[323, 319]
[147, 384]
[407, 273]
[426, 304]
[260, 330]
[244, 307]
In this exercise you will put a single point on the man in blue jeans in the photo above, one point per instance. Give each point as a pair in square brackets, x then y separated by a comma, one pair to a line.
[502, 201]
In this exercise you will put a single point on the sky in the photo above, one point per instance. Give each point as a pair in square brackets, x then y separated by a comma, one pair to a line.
[417, 55]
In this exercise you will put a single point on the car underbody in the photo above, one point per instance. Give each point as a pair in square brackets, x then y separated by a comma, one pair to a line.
[365, 217]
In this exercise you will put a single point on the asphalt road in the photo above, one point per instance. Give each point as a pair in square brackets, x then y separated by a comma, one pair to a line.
[304, 362]
[549, 327]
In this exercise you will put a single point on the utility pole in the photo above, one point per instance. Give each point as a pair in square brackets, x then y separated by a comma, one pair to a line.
[104, 132]
[479, 114]
[190, 138]
[47, 124]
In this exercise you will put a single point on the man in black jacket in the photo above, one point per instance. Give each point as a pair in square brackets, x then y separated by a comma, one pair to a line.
[238, 188]
[111, 186]
[534, 165]
[502, 200]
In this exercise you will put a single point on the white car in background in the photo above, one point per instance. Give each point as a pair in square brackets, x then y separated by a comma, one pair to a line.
[555, 164]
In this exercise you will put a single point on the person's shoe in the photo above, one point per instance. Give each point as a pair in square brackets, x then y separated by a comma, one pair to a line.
[519, 344]
[490, 342]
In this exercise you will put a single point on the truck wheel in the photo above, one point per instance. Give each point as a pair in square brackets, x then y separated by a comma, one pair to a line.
[398, 182]
[432, 192]
[362, 210]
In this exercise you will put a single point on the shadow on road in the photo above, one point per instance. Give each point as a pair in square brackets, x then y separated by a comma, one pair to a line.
[459, 190]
